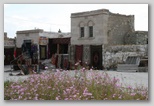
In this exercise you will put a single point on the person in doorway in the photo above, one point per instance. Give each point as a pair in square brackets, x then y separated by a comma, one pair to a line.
[24, 48]
[26, 54]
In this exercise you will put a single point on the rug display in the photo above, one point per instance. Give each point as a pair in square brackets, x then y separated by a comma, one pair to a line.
[65, 61]
[96, 56]
[59, 61]
[78, 53]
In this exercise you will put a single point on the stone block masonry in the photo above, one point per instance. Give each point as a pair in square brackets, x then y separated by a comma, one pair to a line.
[114, 55]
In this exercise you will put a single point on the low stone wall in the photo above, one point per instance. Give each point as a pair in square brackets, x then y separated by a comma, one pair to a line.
[114, 55]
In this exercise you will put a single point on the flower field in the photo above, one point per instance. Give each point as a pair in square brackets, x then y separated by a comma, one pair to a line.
[82, 85]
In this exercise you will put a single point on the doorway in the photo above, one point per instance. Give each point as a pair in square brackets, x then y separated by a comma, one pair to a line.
[96, 56]
[43, 52]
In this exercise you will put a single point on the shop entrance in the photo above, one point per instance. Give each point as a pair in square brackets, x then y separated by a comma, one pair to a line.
[96, 56]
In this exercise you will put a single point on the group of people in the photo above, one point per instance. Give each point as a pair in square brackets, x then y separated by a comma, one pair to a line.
[29, 55]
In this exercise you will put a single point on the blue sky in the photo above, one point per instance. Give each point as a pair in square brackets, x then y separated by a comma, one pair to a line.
[52, 17]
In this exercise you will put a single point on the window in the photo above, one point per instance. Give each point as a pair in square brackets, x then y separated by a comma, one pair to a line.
[81, 31]
[90, 28]
[90, 31]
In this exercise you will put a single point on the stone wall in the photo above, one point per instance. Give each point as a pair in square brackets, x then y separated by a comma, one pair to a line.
[142, 38]
[137, 37]
[118, 27]
[114, 55]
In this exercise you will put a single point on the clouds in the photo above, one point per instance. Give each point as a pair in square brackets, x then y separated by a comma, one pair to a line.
[52, 17]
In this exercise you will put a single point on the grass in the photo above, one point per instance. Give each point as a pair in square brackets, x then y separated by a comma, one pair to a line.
[82, 85]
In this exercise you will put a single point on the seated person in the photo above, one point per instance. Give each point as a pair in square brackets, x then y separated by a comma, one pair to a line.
[24, 69]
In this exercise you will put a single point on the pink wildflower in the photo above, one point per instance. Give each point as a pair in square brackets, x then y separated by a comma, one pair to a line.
[36, 98]
[32, 80]
[105, 98]
[115, 80]
[46, 67]
[76, 64]
[120, 97]
[66, 99]
[87, 94]
[129, 87]
[57, 98]
[22, 93]
[133, 94]
[74, 96]
[118, 85]
[19, 97]
[57, 70]
[114, 95]
[49, 87]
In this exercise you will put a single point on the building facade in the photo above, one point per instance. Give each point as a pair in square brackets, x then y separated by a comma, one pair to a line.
[98, 38]
[48, 43]
[93, 32]
[9, 46]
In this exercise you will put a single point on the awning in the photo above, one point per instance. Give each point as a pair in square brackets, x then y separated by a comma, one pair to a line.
[61, 40]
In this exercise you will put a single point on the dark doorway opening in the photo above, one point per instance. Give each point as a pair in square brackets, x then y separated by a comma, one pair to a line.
[43, 52]
[63, 49]
[96, 56]
[28, 44]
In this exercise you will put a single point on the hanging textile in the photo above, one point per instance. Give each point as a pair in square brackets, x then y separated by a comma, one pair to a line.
[96, 56]
[61, 64]
[65, 61]
[78, 53]
[56, 61]
[59, 61]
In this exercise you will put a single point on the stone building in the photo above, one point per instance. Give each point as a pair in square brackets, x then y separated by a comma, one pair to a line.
[100, 27]
[28, 36]
[9, 45]
[48, 43]
[95, 33]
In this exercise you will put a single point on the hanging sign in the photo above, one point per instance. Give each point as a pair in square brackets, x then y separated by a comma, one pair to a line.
[43, 40]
